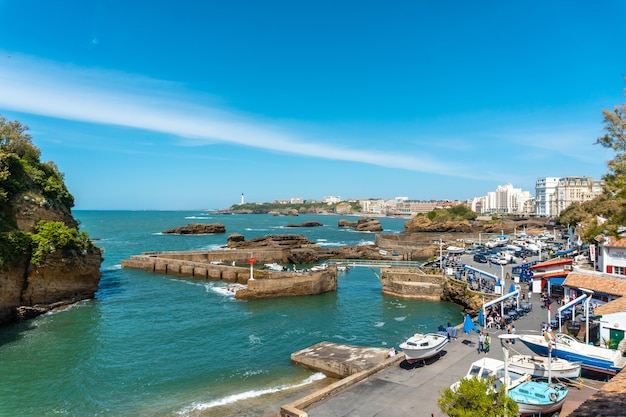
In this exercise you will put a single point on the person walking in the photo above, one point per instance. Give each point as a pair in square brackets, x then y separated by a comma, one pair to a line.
[481, 342]
[513, 332]
[487, 343]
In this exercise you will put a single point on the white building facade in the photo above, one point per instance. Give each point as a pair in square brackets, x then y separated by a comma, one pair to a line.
[545, 201]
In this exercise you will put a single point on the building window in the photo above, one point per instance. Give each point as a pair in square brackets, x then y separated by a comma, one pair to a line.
[619, 270]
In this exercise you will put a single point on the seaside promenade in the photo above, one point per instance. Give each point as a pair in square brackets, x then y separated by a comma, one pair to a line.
[403, 390]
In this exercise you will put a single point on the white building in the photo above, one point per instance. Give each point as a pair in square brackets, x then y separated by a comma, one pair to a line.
[612, 255]
[555, 194]
[545, 190]
[505, 200]
[331, 199]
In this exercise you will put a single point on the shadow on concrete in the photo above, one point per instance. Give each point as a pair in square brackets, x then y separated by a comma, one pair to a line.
[421, 363]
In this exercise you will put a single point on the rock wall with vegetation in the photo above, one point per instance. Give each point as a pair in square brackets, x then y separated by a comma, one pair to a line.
[45, 262]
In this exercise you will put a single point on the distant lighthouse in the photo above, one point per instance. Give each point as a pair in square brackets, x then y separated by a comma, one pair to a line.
[242, 198]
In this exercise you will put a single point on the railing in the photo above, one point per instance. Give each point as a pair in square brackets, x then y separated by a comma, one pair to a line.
[374, 263]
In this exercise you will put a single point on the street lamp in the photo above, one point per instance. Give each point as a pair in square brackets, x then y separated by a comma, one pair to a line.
[440, 243]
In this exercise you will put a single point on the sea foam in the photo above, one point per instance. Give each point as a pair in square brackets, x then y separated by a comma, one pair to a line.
[248, 394]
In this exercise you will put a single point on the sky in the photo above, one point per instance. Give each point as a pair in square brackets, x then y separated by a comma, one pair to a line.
[188, 105]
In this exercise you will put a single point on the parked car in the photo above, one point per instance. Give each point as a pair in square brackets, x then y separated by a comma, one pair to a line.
[481, 258]
[473, 250]
[497, 259]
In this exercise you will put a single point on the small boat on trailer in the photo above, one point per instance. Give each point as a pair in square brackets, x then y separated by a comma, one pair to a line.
[538, 366]
[423, 346]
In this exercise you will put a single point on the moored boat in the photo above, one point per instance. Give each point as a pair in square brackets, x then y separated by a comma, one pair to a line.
[423, 346]
[590, 357]
[274, 267]
[538, 366]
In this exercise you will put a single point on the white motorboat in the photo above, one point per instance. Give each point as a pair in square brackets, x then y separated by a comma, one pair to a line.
[320, 267]
[566, 347]
[274, 267]
[537, 366]
[455, 250]
[489, 367]
[423, 346]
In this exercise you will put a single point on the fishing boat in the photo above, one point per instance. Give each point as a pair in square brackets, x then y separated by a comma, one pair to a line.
[534, 397]
[423, 346]
[590, 357]
[537, 366]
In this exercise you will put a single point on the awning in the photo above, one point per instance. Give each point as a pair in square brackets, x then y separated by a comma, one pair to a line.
[478, 271]
[564, 252]
[558, 281]
[503, 298]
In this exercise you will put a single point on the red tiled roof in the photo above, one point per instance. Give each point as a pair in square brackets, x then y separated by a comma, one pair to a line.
[552, 262]
[608, 401]
[615, 306]
[551, 274]
[603, 284]
[616, 242]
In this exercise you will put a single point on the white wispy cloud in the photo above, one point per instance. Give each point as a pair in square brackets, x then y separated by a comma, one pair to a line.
[36, 86]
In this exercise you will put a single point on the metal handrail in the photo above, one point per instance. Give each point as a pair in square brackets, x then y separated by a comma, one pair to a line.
[374, 263]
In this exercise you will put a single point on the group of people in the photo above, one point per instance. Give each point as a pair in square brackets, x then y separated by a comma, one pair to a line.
[494, 319]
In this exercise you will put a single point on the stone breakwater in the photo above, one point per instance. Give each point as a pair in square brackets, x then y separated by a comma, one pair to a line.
[262, 284]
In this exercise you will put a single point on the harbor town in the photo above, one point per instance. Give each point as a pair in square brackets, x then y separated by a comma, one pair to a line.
[541, 283]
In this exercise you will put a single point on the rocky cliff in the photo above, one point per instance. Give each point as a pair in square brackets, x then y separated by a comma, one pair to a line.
[422, 223]
[45, 262]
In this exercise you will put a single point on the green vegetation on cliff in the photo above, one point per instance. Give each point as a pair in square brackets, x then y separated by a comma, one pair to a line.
[458, 212]
[607, 212]
[26, 181]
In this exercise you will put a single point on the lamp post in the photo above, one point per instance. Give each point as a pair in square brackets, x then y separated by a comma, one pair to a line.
[440, 243]
[251, 262]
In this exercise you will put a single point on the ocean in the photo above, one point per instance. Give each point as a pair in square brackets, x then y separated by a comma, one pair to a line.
[162, 345]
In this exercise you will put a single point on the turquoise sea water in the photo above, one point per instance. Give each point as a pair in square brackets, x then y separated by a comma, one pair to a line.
[156, 345]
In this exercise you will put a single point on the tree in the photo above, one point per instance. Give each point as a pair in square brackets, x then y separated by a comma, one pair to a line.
[476, 397]
[615, 138]
[607, 212]
[14, 139]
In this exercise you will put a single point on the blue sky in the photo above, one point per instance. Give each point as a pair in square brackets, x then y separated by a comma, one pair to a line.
[189, 104]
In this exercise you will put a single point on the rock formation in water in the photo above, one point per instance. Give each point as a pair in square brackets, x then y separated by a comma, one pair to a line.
[364, 224]
[305, 224]
[197, 229]
[45, 262]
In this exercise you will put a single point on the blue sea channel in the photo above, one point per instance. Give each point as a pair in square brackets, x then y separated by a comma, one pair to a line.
[162, 345]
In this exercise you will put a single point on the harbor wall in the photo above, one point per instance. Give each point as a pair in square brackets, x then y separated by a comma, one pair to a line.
[412, 283]
[266, 283]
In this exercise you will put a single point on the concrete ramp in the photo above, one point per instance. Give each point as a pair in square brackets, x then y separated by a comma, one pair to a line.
[339, 360]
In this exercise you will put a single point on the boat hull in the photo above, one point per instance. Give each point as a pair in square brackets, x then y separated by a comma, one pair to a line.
[538, 398]
[537, 366]
[420, 347]
[590, 357]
